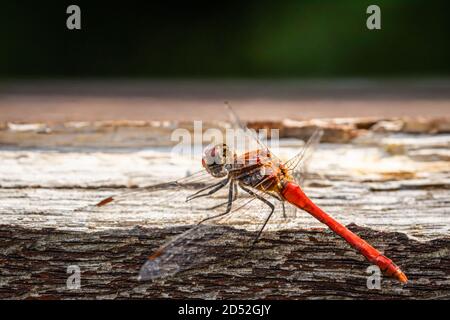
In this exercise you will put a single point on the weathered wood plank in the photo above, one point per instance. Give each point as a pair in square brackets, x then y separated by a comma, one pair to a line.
[380, 176]
[289, 264]
[360, 183]
[142, 134]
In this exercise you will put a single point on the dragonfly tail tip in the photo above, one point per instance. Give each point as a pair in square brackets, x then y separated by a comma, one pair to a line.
[402, 277]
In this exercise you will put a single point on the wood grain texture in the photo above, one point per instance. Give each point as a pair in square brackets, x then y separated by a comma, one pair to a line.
[390, 180]
[289, 264]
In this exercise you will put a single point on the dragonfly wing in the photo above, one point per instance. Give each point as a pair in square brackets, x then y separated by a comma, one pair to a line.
[298, 164]
[178, 254]
[200, 179]
[194, 246]
[161, 205]
[248, 139]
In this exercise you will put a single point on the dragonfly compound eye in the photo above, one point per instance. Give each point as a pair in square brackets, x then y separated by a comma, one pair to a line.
[214, 160]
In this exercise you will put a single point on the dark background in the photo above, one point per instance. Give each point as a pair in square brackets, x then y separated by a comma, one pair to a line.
[245, 39]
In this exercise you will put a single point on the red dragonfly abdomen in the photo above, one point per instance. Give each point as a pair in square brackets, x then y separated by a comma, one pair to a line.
[294, 194]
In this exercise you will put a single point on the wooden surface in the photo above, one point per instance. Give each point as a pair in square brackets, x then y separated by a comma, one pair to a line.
[389, 178]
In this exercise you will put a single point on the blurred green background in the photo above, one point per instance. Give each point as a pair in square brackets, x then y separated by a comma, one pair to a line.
[245, 39]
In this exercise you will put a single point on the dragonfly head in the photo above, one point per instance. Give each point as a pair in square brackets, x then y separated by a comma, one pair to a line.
[217, 160]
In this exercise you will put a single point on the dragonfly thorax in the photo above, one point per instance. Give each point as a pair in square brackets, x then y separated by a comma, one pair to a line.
[217, 160]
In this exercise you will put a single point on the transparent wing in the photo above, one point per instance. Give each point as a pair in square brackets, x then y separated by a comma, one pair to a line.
[168, 201]
[298, 164]
[173, 200]
[178, 254]
[199, 179]
[247, 140]
[162, 205]
[154, 204]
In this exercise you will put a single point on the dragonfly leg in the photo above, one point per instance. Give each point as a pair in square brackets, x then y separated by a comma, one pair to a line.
[204, 189]
[235, 194]
[272, 208]
[229, 203]
[216, 187]
[282, 203]
[235, 191]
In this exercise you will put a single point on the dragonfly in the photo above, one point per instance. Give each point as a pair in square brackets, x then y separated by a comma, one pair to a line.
[262, 177]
